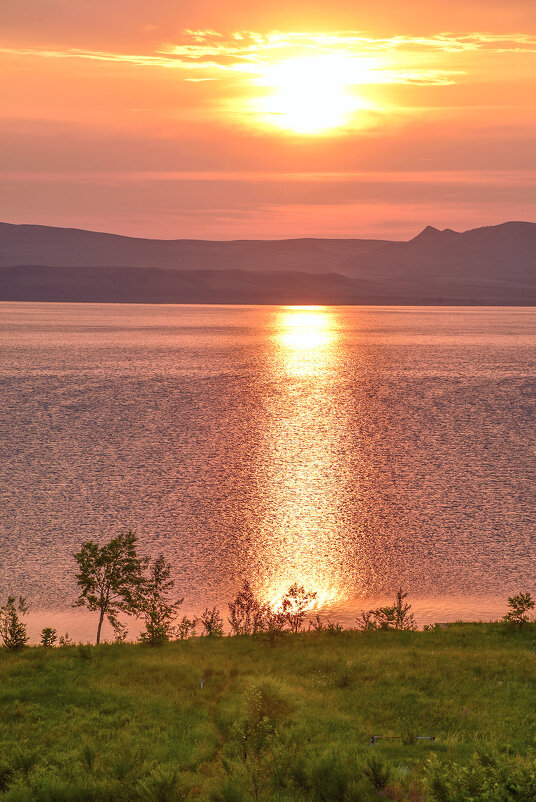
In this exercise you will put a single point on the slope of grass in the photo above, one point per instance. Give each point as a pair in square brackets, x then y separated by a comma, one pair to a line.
[235, 719]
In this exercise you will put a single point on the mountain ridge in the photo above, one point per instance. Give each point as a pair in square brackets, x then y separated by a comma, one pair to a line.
[487, 265]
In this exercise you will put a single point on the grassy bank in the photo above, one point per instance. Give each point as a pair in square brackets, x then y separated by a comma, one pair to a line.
[235, 719]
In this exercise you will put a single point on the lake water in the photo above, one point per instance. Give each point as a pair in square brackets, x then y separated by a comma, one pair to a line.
[350, 449]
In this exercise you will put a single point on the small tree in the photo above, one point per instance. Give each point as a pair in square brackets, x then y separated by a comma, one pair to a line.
[397, 616]
[12, 630]
[367, 621]
[49, 637]
[156, 604]
[110, 579]
[295, 604]
[186, 628]
[385, 617]
[212, 623]
[317, 625]
[519, 607]
[247, 614]
[274, 624]
[255, 735]
[403, 618]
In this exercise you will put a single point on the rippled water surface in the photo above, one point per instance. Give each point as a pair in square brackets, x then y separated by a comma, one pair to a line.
[352, 449]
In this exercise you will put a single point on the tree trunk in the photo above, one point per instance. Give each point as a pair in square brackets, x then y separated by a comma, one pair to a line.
[101, 619]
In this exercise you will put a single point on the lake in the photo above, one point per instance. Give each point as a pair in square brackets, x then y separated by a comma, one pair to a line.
[350, 449]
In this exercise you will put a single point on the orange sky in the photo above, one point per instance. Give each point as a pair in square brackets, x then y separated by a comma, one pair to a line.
[234, 120]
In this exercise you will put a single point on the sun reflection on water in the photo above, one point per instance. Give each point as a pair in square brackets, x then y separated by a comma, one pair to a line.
[305, 336]
[306, 329]
[301, 537]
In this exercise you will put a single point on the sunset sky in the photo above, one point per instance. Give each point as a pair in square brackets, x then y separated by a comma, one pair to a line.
[283, 119]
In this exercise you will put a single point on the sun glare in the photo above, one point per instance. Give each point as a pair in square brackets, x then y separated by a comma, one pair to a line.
[305, 328]
[310, 95]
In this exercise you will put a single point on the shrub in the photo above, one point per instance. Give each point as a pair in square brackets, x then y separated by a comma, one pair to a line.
[84, 651]
[274, 624]
[317, 625]
[162, 785]
[186, 628]
[49, 637]
[333, 779]
[156, 605]
[229, 790]
[295, 604]
[397, 616]
[212, 623]
[377, 772]
[247, 614]
[12, 630]
[519, 607]
[344, 676]
[367, 620]
[486, 778]
[257, 737]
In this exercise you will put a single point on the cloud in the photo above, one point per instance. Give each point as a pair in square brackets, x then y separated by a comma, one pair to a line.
[162, 137]
[248, 52]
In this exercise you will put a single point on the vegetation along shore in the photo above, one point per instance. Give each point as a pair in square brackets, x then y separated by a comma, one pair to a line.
[290, 708]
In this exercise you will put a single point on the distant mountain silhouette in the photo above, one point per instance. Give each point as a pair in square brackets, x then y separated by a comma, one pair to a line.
[490, 265]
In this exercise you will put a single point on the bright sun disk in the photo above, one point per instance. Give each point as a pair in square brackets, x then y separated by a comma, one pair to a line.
[313, 94]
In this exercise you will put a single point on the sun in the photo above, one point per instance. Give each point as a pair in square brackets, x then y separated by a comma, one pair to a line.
[312, 94]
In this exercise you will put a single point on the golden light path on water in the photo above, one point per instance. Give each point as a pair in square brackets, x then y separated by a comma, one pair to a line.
[301, 533]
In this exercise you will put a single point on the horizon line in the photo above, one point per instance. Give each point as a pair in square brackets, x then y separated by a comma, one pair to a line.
[264, 239]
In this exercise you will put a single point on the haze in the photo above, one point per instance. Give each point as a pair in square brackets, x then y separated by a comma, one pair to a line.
[224, 121]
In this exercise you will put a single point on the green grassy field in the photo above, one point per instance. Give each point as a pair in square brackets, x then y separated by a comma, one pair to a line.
[127, 722]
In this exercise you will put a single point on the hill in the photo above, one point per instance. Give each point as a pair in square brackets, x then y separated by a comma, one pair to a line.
[494, 265]
[234, 719]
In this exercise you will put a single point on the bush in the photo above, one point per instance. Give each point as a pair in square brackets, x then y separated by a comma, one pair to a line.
[12, 630]
[247, 614]
[377, 772]
[186, 628]
[48, 637]
[156, 605]
[274, 624]
[162, 785]
[519, 607]
[334, 779]
[295, 604]
[256, 735]
[489, 777]
[397, 616]
[212, 622]
[318, 625]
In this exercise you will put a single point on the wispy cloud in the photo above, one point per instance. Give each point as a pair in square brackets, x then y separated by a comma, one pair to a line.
[157, 60]
[212, 54]
[251, 45]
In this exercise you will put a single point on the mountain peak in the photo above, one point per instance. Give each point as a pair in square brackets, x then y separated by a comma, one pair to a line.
[432, 234]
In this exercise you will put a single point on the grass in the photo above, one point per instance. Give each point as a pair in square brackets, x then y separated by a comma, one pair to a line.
[127, 722]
